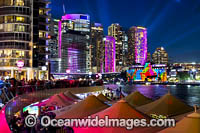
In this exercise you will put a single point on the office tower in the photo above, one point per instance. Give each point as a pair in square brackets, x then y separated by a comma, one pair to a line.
[53, 46]
[125, 48]
[110, 55]
[137, 45]
[160, 56]
[24, 39]
[97, 47]
[149, 57]
[115, 30]
[74, 48]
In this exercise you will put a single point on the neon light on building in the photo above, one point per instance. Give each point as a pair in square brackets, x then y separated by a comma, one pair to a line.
[140, 45]
[109, 54]
[82, 19]
[73, 43]
[60, 37]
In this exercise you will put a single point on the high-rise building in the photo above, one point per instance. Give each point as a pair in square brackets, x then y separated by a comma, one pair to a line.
[116, 31]
[149, 57]
[53, 46]
[137, 45]
[74, 49]
[125, 48]
[160, 56]
[110, 55]
[97, 47]
[24, 38]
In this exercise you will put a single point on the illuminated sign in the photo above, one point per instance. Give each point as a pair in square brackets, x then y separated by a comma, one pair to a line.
[20, 64]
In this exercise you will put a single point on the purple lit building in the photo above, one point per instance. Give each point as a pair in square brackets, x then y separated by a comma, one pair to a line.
[73, 43]
[110, 55]
[137, 50]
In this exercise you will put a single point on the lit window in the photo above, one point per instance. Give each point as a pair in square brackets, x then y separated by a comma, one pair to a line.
[41, 34]
[20, 28]
[19, 19]
[41, 12]
[8, 27]
[19, 2]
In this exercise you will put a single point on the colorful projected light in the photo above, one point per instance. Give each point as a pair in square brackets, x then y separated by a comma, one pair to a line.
[109, 54]
[148, 73]
[141, 45]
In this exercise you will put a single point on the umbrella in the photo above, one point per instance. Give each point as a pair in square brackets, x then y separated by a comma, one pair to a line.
[103, 98]
[136, 99]
[120, 110]
[84, 108]
[71, 95]
[167, 105]
[189, 124]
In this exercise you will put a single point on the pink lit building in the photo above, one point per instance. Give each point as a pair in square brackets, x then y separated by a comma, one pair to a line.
[110, 55]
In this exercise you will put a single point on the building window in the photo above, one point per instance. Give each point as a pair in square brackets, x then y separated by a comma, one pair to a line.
[19, 2]
[19, 19]
[9, 19]
[1, 27]
[7, 2]
[8, 27]
[42, 34]
[41, 12]
[20, 28]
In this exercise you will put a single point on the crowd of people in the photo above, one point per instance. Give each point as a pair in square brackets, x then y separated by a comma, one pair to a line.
[17, 124]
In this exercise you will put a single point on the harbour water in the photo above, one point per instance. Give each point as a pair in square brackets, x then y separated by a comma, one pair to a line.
[188, 94]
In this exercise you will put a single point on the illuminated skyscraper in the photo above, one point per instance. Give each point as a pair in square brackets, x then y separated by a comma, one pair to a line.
[160, 56]
[116, 31]
[110, 55]
[137, 45]
[24, 38]
[74, 43]
[97, 47]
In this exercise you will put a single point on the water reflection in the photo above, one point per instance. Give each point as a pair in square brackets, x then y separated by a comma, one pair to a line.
[188, 94]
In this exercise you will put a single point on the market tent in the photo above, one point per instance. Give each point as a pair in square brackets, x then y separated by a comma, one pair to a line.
[103, 98]
[84, 108]
[71, 95]
[120, 110]
[62, 110]
[189, 124]
[167, 105]
[56, 100]
[66, 98]
[136, 99]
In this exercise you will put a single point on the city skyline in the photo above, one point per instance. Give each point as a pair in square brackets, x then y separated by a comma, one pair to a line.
[168, 22]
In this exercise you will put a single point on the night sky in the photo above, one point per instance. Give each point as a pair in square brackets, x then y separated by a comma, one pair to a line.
[173, 24]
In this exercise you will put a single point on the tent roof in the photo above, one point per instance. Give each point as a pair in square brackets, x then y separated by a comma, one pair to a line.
[84, 108]
[56, 100]
[66, 98]
[189, 124]
[103, 98]
[120, 110]
[167, 105]
[136, 99]
[71, 95]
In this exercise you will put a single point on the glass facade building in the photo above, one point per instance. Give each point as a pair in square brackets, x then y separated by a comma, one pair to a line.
[74, 44]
